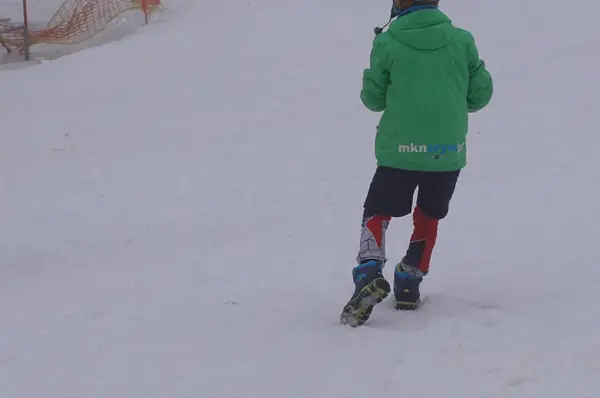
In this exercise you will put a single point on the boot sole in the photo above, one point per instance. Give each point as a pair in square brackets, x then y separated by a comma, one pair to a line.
[359, 309]
[407, 305]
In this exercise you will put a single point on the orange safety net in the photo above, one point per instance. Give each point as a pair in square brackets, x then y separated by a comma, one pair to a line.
[74, 22]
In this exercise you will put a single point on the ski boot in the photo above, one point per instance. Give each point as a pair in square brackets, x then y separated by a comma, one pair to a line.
[406, 287]
[370, 289]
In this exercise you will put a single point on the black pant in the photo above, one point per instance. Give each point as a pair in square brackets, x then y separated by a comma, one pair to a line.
[392, 190]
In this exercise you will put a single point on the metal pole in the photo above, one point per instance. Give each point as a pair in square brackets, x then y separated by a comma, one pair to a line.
[25, 31]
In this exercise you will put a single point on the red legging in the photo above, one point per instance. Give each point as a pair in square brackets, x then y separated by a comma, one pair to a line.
[422, 241]
[425, 230]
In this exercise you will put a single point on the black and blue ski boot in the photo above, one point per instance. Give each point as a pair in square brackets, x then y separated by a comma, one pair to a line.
[407, 280]
[370, 289]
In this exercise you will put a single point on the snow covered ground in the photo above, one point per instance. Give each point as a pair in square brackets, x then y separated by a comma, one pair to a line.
[40, 13]
[39, 10]
[181, 213]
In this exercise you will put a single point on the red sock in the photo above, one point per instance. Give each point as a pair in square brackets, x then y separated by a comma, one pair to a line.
[377, 225]
[372, 238]
[425, 230]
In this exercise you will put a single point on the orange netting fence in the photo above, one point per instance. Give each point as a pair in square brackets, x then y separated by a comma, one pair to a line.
[74, 22]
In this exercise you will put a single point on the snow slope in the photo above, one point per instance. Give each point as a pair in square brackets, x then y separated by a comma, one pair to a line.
[181, 214]
[41, 11]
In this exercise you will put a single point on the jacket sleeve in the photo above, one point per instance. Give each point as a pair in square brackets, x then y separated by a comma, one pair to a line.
[377, 77]
[480, 80]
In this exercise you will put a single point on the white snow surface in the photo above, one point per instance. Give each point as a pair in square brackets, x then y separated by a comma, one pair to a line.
[38, 10]
[181, 213]
[39, 14]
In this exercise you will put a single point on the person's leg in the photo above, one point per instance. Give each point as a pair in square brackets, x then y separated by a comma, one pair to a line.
[372, 238]
[433, 200]
[390, 195]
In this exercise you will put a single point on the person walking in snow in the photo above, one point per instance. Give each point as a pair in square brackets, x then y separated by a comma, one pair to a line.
[426, 76]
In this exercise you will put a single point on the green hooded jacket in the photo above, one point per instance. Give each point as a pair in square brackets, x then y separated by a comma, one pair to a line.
[426, 76]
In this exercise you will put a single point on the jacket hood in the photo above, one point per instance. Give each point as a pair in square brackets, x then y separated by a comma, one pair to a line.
[427, 29]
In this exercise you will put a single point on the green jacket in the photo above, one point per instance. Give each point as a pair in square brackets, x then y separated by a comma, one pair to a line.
[426, 76]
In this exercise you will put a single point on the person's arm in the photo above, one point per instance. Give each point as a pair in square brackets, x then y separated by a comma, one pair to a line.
[480, 81]
[377, 77]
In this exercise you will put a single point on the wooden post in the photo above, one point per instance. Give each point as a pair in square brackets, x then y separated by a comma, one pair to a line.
[149, 5]
[145, 9]
[26, 31]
